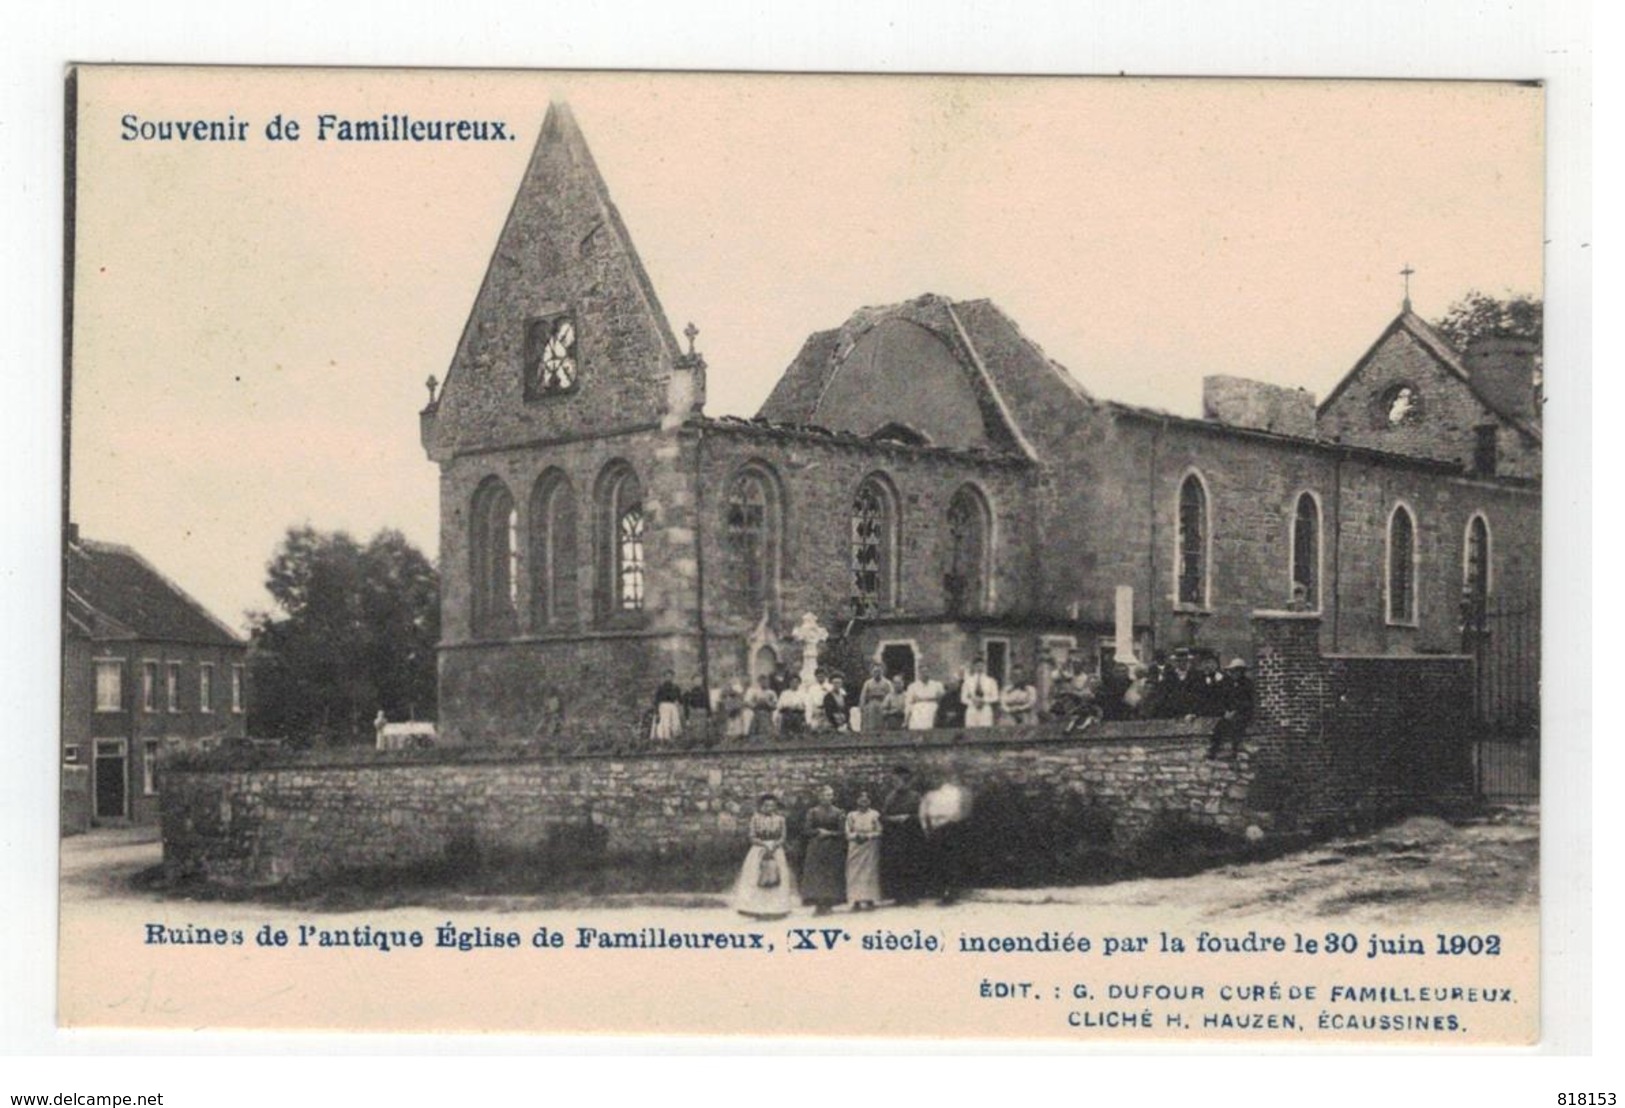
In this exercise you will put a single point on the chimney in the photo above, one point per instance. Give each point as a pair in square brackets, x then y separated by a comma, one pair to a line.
[1505, 370]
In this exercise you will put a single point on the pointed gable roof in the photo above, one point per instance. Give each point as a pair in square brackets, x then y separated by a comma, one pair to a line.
[563, 248]
[1015, 381]
[111, 592]
[1445, 355]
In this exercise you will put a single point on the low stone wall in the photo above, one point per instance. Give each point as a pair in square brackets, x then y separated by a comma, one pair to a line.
[307, 816]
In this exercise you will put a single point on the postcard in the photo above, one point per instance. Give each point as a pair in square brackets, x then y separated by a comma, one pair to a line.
[705, 554]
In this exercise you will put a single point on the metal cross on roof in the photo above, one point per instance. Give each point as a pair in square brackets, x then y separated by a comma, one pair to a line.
[1406, 273]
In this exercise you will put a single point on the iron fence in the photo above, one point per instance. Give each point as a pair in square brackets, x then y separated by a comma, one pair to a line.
[1503, 638]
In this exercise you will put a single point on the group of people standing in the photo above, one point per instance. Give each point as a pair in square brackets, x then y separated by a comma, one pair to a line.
[1188, 686]
[779, 705]
[904, 850]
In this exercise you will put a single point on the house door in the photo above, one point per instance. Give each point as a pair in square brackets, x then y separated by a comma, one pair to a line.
[111, 778]
[898, 657]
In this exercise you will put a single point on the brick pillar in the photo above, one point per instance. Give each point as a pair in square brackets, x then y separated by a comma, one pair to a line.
[1288, 677]
[1293, 783]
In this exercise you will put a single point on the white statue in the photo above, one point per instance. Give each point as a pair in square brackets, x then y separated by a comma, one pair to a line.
[811, 636]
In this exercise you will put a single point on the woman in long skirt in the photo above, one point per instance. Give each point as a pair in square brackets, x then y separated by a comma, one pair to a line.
[823, 870]
[863, 855]
[766, 888]
[872, 700]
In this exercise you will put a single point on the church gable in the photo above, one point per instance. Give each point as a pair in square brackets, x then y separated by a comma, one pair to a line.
[908, 371]
[566, 336]
[1410, 394]
[1044, 402]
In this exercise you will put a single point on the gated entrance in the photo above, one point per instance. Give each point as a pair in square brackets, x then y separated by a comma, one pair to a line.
[1503, 638]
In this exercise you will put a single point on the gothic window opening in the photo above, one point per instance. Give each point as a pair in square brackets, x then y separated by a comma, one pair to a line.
[1192, 537]
[1306, 553]
[629, 528]
[966, 581]
[1475, 572]
[510, 554]
[873, 548]
[751, 535]
[1401, 567]
[494, 551]
[621, 532]
[553, 551]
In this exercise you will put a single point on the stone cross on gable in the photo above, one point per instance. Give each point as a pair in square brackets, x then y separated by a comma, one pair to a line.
[691, 332]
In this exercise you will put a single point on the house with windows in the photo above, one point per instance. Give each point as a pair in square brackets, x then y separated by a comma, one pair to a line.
[144, 668]
[929, 485]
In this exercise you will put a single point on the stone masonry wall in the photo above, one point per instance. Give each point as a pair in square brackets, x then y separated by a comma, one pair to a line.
[1442, 427]
[310, 819]
[817, 481]
[1126, 532]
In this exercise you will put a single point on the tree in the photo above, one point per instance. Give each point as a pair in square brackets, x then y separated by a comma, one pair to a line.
[355, 633]
[1478, 314]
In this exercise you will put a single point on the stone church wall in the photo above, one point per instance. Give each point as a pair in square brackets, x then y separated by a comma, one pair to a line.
[818, 481]
[1125, 533]
[1443, 424]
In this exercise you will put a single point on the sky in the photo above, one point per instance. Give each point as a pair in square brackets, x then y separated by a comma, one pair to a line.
[254, 321]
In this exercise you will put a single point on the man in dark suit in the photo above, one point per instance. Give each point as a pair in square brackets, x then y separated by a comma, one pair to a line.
[1236, 700]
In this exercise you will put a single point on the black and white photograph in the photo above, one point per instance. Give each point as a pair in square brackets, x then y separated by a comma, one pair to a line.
[975, 557]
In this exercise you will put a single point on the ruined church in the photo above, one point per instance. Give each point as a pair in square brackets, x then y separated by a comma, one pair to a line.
[928, 485]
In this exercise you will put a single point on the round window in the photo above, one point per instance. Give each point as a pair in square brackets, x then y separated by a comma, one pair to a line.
[1399, 405]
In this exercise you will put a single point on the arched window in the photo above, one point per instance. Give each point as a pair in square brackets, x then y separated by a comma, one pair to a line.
[1192, 538]
[965, 583]
[1475, 570]
[552, 551]
[494, 559]
[1401, 590]
[620, 505]
[1306, 553]
[873, 547]
[751, 534]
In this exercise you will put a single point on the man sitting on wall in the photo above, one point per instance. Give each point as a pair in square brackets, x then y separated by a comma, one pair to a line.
[1237, 715]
